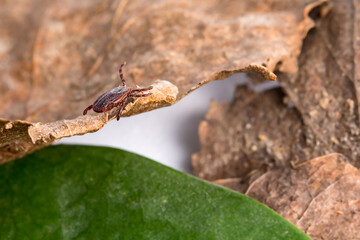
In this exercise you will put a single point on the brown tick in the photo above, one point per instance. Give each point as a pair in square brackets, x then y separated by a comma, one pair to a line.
[117, 97]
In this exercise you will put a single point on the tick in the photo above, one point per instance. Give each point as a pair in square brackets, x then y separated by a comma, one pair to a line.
[117, 97]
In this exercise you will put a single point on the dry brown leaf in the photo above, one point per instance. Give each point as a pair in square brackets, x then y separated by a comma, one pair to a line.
[255, 131]
[56, 57]
[320, 196]
[324, 92]
[326, 89]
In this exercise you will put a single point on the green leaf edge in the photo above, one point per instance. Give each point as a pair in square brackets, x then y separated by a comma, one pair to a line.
[6, 209]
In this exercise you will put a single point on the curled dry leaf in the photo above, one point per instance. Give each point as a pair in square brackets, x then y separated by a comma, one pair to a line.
[324, 119]
[326, 90]
[56, 57]
[20, 137]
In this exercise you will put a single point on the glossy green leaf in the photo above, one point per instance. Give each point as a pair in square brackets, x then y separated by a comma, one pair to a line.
[83, 192]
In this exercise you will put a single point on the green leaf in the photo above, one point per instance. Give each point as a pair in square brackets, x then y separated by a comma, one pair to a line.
[83, 192]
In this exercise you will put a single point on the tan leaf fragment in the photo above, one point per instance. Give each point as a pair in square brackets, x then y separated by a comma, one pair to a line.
[18, 138]
[252, 133]
[56, 57]
[320, 196]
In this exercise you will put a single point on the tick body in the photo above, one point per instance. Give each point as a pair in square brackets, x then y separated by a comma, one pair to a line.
[117, 97]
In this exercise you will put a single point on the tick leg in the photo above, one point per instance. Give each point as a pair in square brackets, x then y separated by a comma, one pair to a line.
[121, 74]
[87, 109]
[109, 106]
[140, 95]
[142, 89]
[122, 106]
